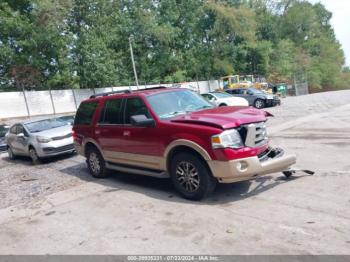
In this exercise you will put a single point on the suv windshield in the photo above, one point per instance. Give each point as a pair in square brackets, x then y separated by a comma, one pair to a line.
[170, 104]
[43, 125]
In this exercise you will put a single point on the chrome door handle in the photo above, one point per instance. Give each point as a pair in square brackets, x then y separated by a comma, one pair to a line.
[126, 133]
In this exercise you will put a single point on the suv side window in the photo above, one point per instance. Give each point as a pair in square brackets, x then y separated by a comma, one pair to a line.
[85, 113]
[112, 112]
[135, 106]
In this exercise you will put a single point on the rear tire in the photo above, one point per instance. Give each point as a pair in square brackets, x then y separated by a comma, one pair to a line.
[95, 162]
[191, 177]
[259, 103]
[222, 105]
[34, 156]
[12, 156]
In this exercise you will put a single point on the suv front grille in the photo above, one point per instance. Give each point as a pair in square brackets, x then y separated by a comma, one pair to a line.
[256, 134]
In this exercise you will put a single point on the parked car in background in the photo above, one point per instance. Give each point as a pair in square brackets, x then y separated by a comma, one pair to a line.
[257, 98]
[69, 119]
[175, 133]
[3, 130]
[39, 139]
[224, 99]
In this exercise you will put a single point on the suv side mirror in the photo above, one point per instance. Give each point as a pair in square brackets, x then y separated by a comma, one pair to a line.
[142, 121]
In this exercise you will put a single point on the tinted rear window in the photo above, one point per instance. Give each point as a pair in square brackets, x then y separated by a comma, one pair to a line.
[112, 113]
[85, 113]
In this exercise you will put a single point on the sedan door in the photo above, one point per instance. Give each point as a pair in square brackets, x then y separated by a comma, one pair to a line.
[22, 138]
[18, 140]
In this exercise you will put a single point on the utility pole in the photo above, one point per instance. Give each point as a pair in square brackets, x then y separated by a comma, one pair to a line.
[133, 61]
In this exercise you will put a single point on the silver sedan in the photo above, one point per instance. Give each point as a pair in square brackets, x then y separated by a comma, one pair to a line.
[39, 139]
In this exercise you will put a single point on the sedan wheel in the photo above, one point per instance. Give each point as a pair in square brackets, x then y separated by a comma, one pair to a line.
[259, 103]
[34, 156]
[10, 153]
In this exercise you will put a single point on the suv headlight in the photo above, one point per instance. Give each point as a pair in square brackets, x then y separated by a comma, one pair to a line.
[229, 138]
[42, 139]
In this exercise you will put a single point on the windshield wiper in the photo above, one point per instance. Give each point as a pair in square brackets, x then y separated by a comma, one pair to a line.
[173, 114]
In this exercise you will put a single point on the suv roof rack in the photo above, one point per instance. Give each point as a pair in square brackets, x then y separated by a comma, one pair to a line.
[151, 88]
[125, 91]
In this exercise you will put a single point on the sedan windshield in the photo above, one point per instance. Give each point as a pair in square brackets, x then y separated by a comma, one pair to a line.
[221, 94]
[170, 104]
[43, 125]
[256, 91]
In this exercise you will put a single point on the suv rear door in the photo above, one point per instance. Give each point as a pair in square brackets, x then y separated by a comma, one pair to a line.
[110, 127]
[83, 121]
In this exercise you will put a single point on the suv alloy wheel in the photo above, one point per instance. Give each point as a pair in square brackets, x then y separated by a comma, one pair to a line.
[191, 177]
[96, 163]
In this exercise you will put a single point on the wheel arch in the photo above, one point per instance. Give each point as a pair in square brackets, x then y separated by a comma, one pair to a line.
[185, 146]
[90, 144]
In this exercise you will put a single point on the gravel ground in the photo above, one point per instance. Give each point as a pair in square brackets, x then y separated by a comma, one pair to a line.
[21, 182]
[298, 106]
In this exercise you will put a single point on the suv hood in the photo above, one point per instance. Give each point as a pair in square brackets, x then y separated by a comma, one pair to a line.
[224, 117]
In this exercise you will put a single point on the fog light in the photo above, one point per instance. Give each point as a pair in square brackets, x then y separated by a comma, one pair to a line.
[242, 166]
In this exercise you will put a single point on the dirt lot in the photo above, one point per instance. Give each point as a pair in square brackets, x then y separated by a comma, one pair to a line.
[57, 208]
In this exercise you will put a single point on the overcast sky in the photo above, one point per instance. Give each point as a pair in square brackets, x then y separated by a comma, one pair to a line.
[340, 22]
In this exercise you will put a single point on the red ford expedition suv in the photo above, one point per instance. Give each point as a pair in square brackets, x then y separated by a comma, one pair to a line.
[170, 132]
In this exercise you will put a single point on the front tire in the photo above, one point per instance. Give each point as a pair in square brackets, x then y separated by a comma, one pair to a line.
[259, 103]
[34, 156]
[95, 162]
[222, 105]
[191, 177]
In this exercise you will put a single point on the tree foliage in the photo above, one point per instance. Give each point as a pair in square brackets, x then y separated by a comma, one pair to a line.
[85, 43]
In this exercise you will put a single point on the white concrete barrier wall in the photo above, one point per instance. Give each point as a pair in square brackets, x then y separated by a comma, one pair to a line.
[12, 104]
[63, 101]
[39, 103]
[82, 94]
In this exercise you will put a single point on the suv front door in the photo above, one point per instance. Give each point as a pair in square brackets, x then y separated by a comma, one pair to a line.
[141, 145]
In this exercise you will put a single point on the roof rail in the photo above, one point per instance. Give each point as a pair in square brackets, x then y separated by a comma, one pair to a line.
[151, 88]
[125, 91]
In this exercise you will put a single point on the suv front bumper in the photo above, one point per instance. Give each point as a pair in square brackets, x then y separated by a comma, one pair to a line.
[251, 167]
